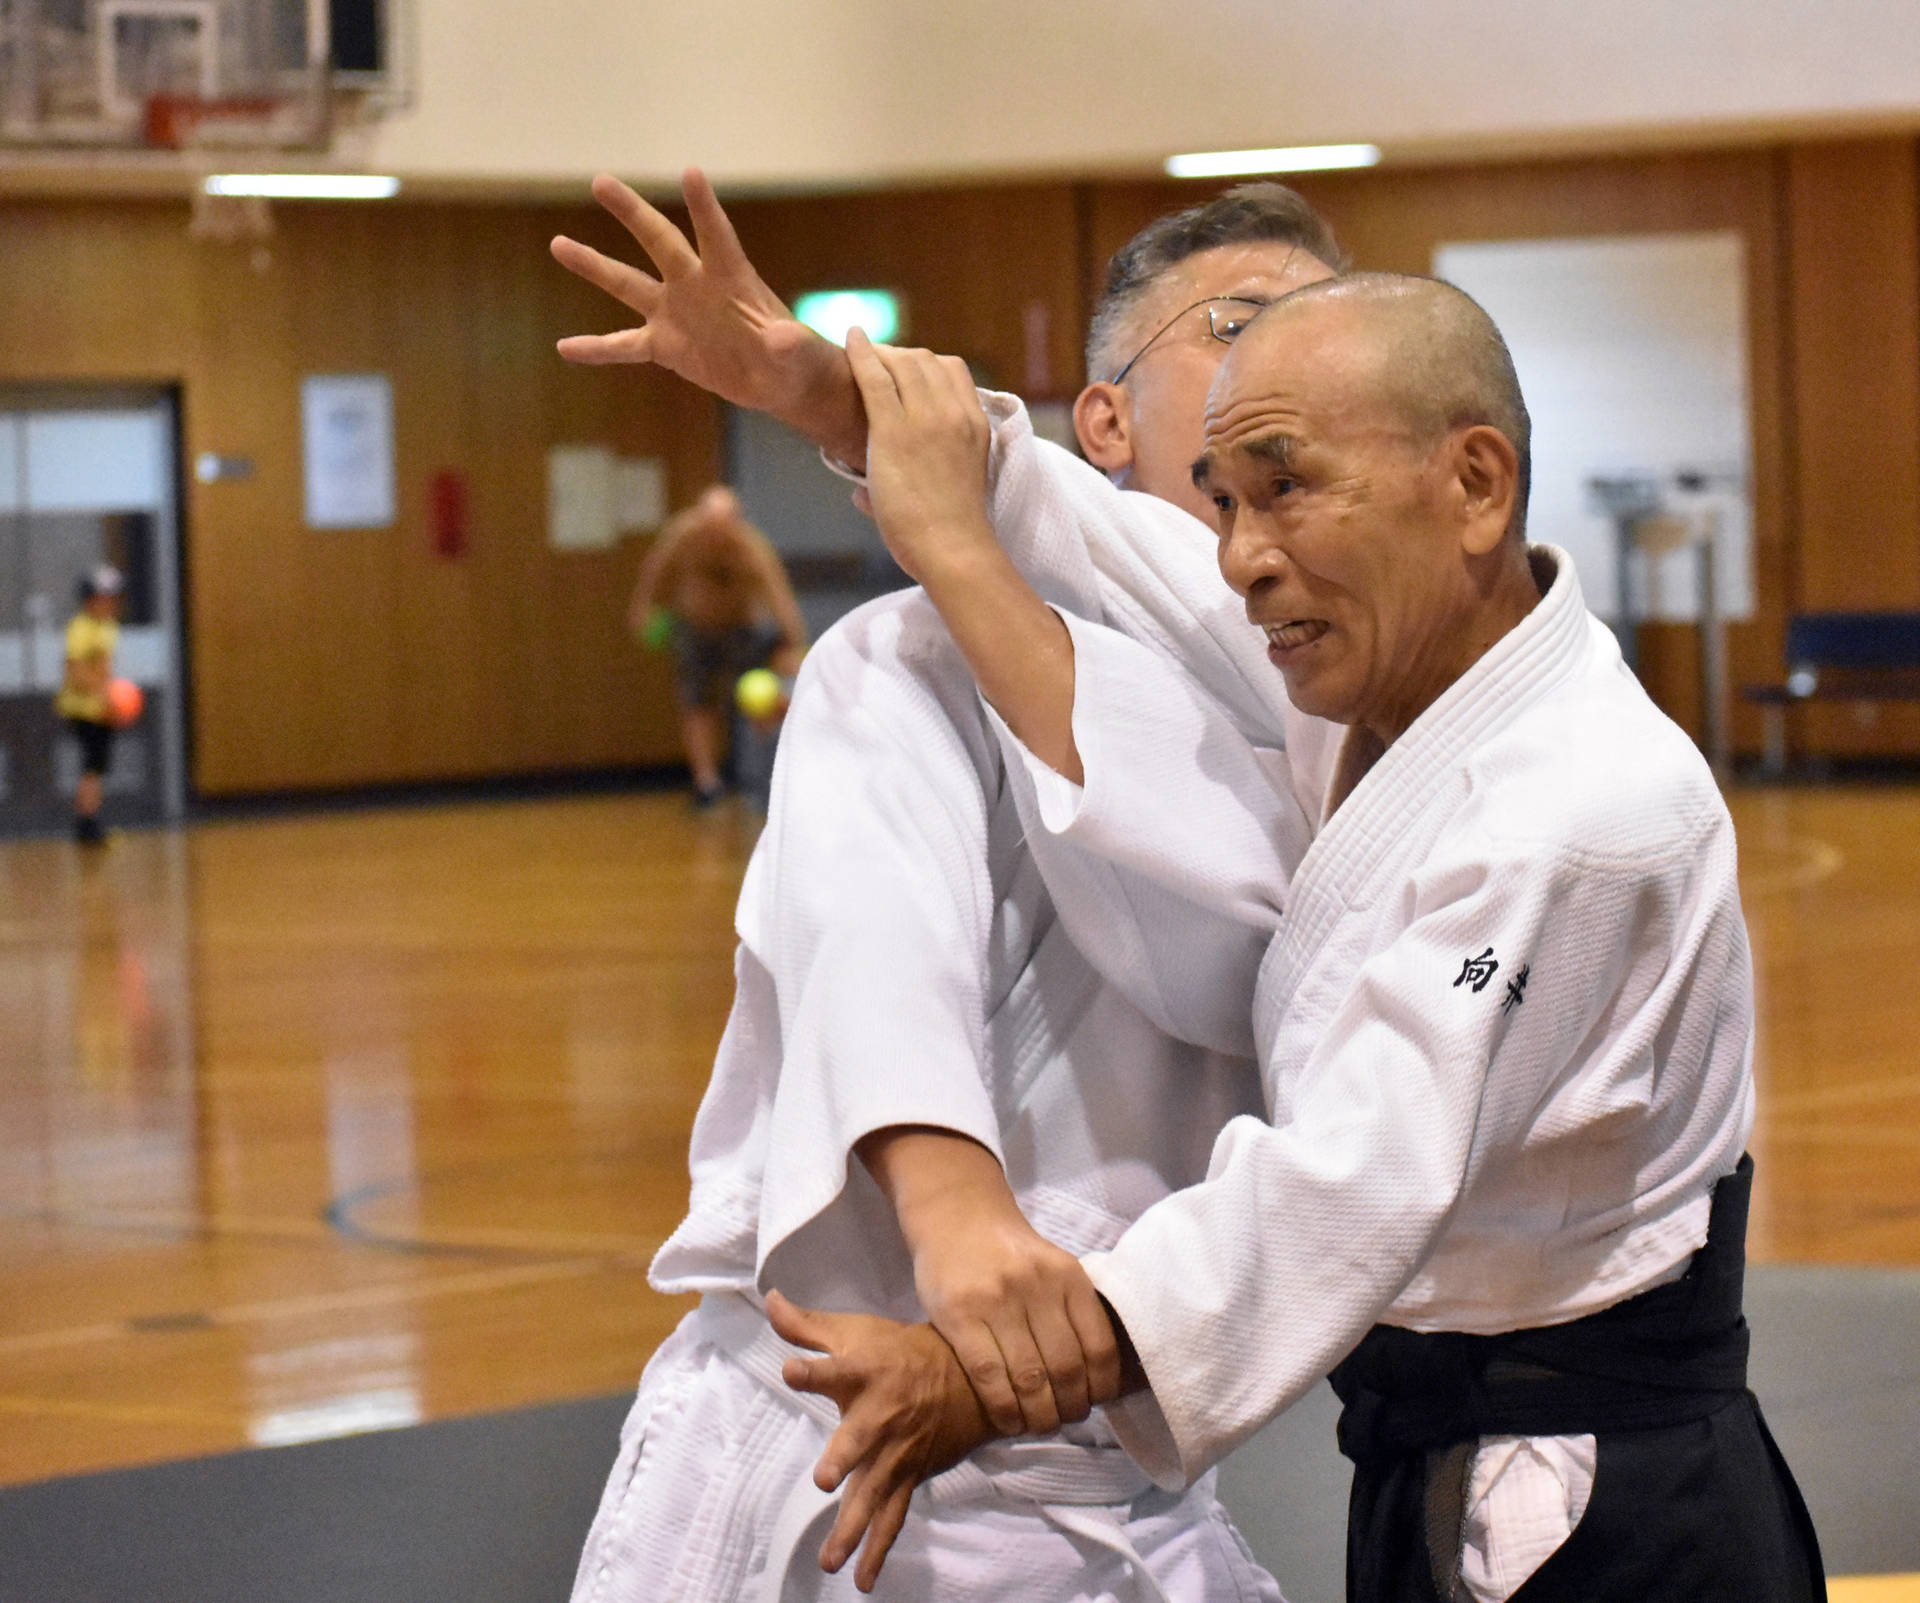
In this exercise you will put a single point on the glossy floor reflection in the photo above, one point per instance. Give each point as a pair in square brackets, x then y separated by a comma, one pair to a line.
[1831, 883]
[314, 1124]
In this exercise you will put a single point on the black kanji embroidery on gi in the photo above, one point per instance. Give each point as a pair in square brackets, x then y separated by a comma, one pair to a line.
[1517, 989]
[1476, 971]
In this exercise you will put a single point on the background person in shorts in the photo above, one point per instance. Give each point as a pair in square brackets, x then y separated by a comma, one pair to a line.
[732, 609]
[92, 637]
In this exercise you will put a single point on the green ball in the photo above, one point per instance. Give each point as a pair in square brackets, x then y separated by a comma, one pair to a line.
[656, 634]
[757, 694]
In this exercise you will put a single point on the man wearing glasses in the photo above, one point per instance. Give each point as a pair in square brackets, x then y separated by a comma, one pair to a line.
[909, 996]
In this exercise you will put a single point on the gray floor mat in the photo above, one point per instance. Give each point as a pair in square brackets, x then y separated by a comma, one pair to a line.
[493, 1509]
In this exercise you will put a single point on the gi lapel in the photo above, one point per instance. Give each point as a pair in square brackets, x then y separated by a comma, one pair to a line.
[1540, 653]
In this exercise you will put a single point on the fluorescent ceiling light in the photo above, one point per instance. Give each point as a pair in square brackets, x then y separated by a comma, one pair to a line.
[304, 186]
[1286, 159]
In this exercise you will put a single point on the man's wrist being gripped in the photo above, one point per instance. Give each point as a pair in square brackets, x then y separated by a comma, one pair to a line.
[827, 408]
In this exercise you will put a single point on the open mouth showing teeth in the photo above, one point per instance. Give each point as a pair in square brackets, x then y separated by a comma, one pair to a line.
[1297, 633]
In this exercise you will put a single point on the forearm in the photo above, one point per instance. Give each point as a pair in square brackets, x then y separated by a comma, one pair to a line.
[873, 788]
[1133, 562]
[653, 567]
[932, 1176]
[793, 623]
[640, 608]
[927, 486]
[1020, 1313]
[1019, 650]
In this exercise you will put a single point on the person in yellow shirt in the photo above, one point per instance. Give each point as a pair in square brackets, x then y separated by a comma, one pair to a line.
[92, 638]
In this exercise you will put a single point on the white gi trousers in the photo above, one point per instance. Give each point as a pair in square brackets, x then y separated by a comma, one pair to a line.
[900, 963]
[712, 1499]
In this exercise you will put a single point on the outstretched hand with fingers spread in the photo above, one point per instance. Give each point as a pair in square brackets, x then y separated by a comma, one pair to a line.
[710, 317]
[906, 1413]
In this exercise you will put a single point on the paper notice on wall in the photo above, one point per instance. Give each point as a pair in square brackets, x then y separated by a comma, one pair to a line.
[594, 497]
[639, 493]
[346, 426]
[580, 498]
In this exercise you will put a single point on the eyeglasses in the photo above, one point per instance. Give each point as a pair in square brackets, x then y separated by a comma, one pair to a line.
[1227, 315]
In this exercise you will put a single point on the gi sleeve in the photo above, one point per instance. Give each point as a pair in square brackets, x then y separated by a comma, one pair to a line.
[870, 905]
[1169, 864]
[1390, 1096]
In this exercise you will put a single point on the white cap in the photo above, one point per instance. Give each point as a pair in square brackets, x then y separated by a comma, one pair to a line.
[105, 580]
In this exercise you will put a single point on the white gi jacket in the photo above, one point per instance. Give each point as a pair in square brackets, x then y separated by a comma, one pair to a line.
[1506, 1027]
[894, 856]
[900, 963]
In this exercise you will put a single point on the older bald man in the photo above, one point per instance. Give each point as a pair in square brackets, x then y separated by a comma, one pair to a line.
[1506, 1024]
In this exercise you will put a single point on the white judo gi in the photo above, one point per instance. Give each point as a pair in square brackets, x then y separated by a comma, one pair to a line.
[1494, 1213]
[1506, 1028]
[900, 962]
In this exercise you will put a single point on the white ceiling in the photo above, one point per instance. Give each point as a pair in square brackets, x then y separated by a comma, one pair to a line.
[801, 93]
[533, 96]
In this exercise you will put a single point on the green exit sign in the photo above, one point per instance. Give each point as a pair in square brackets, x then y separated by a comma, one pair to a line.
[833, 311]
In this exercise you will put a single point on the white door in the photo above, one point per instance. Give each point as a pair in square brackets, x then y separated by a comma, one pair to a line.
[88, 477]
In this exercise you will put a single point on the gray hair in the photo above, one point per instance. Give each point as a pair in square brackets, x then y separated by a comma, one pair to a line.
[1247, 214]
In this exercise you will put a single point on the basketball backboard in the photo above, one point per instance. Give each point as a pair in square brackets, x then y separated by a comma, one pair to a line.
[232, 75]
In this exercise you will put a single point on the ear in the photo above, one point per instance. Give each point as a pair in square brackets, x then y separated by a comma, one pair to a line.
[1487, 472]
[1103, 423]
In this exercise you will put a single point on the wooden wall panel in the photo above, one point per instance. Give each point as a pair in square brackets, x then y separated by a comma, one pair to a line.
[989, 273]
[1854, 267]
[345, 658]
[1854, 242]
[342, 659]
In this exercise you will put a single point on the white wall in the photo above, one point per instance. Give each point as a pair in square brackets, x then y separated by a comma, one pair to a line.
[770, 92]
[1632, 356]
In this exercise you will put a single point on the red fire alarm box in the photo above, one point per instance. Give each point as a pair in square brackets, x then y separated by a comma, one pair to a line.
[447, 502]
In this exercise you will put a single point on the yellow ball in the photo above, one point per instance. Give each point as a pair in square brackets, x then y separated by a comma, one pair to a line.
[758, 693]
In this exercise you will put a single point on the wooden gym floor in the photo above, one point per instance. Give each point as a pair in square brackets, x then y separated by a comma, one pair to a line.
[310, 1124]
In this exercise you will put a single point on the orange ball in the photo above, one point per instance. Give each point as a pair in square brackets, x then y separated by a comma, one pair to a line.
[124, 703]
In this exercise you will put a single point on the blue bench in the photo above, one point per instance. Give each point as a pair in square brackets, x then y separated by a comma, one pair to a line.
[1840, 656]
